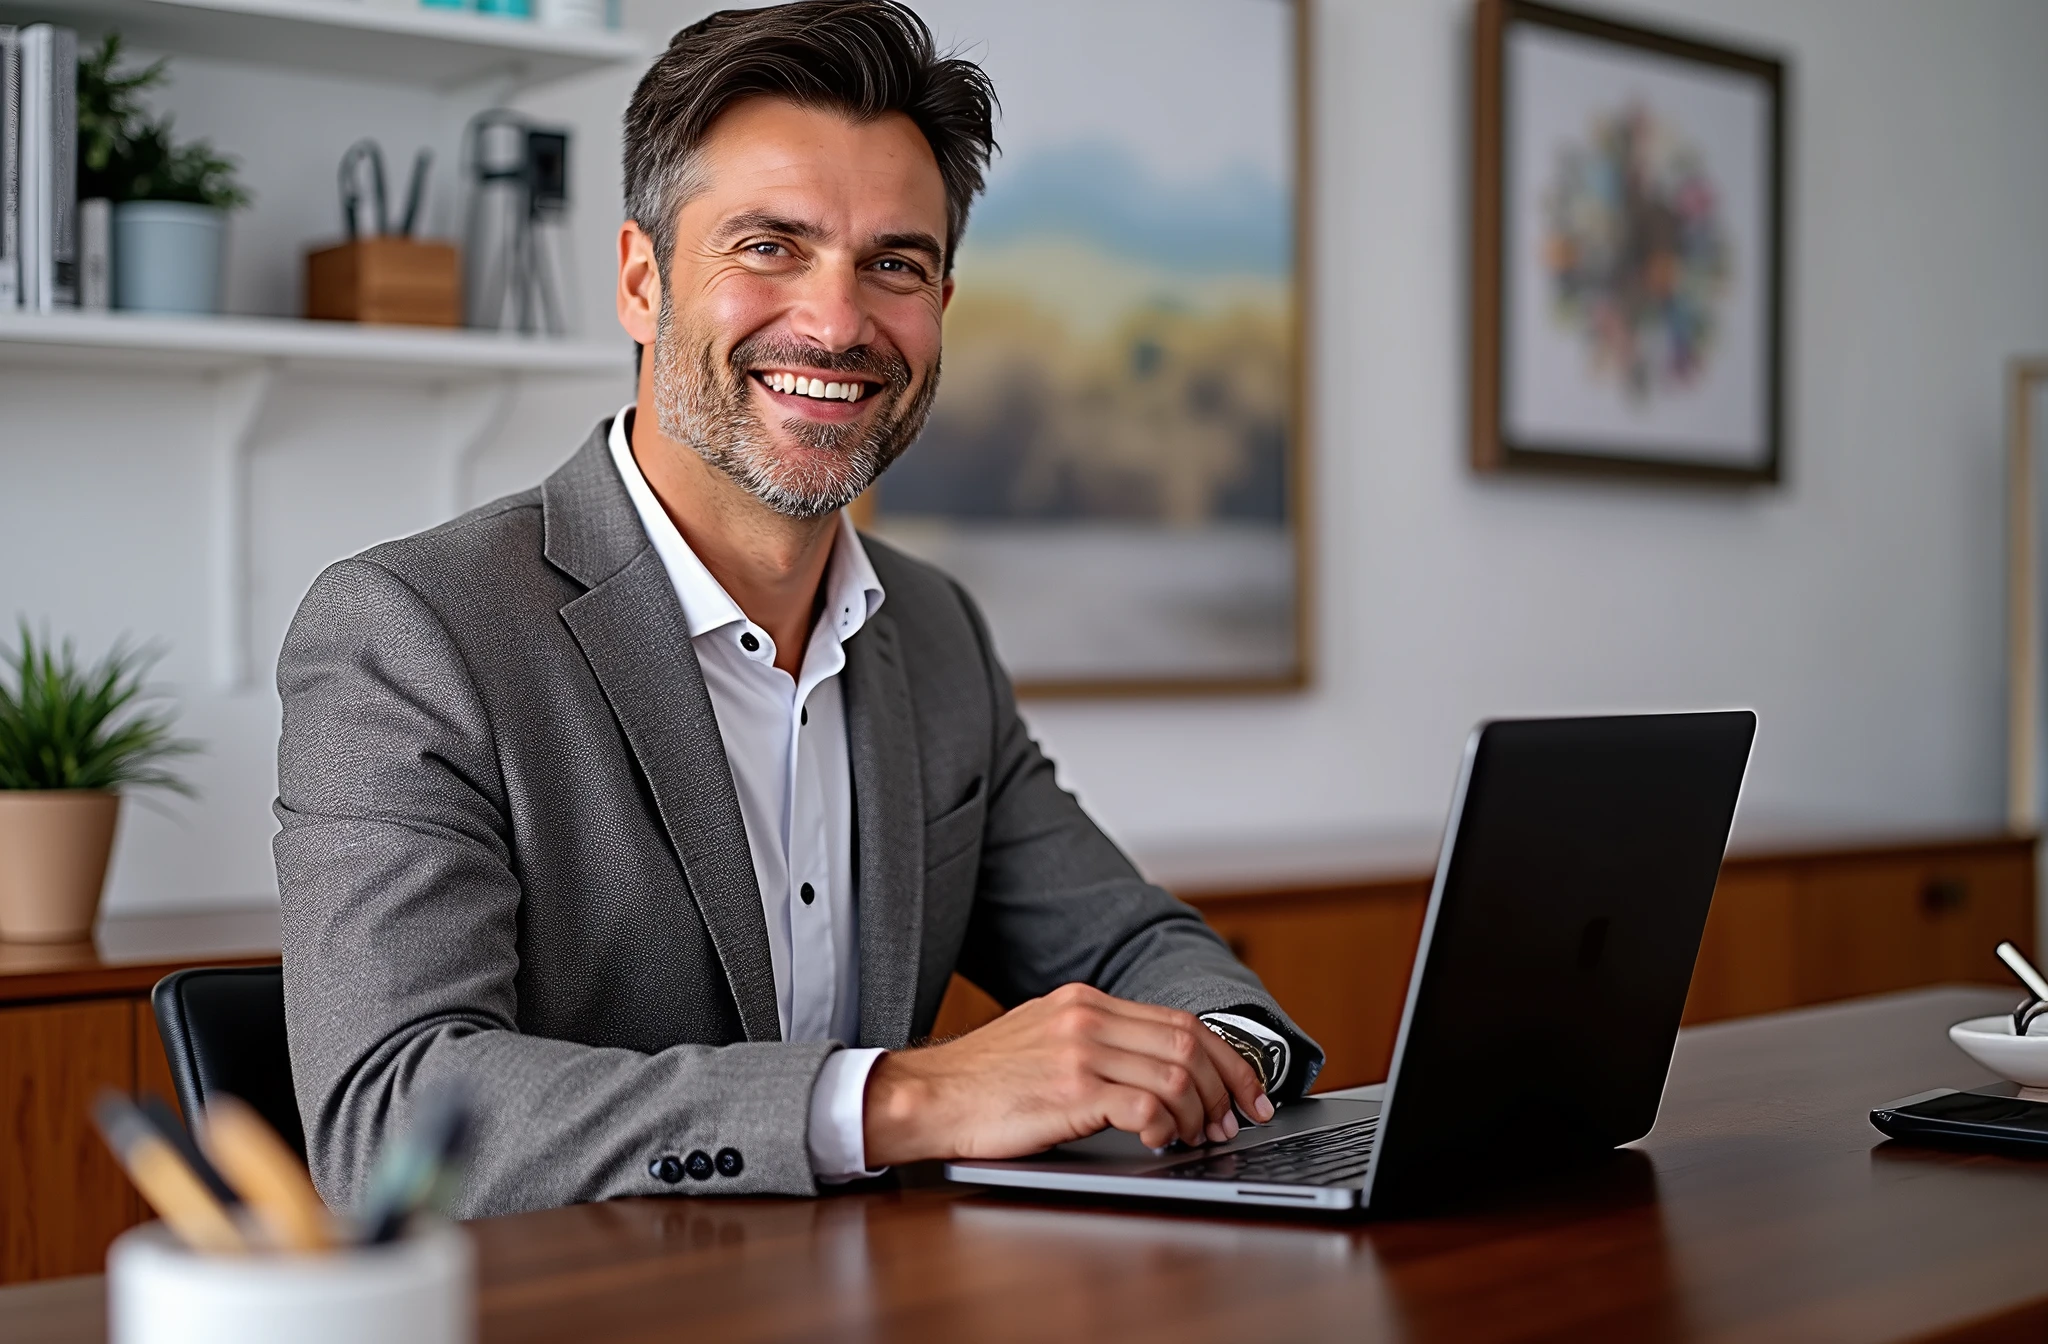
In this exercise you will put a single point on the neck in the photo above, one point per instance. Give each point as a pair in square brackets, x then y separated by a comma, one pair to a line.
[771, 564]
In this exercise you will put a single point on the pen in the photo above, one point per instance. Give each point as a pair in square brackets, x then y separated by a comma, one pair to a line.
[172, 1130]
[269, 1176]
[170, 1185]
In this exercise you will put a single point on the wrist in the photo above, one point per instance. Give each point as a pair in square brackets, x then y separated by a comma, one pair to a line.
[897, 1119]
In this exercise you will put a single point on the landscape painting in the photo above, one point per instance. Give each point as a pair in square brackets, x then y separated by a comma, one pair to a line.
[1112, 467]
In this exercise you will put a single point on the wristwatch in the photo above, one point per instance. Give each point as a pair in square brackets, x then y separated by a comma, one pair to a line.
[1264, 1049]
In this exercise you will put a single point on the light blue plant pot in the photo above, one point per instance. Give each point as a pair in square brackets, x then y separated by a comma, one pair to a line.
[168, 256]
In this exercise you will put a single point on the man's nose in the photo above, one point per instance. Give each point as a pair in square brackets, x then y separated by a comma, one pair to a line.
[831, 311]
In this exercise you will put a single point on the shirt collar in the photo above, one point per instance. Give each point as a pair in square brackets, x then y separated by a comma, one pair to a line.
[853, 592]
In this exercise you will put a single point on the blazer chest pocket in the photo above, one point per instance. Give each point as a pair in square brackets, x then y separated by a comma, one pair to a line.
[955, 832]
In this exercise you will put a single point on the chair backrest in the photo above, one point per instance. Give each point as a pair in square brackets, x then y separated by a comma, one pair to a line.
[223, 1031]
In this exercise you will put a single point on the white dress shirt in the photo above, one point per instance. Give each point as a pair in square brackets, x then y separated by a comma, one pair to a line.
[785, 739]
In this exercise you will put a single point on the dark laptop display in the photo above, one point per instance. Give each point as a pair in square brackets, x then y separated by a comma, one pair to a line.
[1555, 957]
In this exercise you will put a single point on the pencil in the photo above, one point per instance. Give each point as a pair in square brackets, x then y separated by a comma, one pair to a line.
[269, 1176]
[187, 1207]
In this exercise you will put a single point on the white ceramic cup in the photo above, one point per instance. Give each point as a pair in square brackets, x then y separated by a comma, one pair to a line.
[420, 1290]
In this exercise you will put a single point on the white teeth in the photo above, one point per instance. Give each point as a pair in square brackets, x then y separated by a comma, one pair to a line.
[798, 385]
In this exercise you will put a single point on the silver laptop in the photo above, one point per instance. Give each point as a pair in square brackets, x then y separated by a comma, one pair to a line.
[1556, 952]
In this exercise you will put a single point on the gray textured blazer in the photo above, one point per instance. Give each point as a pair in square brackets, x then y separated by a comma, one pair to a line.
[511, 852]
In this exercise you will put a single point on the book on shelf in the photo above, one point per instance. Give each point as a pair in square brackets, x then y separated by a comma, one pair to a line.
[10, 167]
[48, 157]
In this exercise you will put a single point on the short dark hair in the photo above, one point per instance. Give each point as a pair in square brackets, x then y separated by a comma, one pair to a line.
[863, 58]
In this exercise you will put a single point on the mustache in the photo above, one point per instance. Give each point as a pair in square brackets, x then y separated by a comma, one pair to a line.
[881, 365]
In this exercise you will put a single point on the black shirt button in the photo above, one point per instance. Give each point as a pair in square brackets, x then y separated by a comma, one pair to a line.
[807, 893]
[803, 716]
[698, 1164]
[730, 1163]
[668, 1168]
[748, 642]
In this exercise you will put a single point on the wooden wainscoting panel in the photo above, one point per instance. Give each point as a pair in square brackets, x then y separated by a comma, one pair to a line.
[1869, 927]
[152, 1066]
[62, 1195]
[964, 1008]
[1338, 963]
[1746, 957]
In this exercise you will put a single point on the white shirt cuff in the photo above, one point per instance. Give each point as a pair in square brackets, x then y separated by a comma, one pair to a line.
[838, 1131]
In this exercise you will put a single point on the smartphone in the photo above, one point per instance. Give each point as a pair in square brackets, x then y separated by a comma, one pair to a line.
[1995, 1116]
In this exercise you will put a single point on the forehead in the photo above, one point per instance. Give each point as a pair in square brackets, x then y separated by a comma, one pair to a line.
[773, 154]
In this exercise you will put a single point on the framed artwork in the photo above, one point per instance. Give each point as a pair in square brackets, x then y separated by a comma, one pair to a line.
[2026, 589]
[1628, 249]
[1114, 463]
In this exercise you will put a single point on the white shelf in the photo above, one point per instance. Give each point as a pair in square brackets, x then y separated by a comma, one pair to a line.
[476, 377]
[440, 48]
[219, 344]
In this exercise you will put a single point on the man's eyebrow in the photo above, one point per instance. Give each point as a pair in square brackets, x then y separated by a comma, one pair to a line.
[757, 221]
[914, 241]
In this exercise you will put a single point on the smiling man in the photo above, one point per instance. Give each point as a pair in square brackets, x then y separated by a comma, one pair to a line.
[656, 804]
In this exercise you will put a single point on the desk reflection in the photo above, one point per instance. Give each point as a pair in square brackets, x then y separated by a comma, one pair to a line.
[941, 1262]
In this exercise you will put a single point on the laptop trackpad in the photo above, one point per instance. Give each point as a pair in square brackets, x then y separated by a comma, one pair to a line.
[1113, 1147]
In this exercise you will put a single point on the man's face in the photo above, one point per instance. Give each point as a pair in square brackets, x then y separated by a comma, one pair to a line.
[797, 344]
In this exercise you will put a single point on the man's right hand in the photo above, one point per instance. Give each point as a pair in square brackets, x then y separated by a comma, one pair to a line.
[1056, 1069]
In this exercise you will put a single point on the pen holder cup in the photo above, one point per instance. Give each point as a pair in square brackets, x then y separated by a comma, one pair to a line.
[419, 1290]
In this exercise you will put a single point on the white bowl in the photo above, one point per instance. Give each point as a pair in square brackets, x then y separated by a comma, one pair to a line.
[1989, 1041]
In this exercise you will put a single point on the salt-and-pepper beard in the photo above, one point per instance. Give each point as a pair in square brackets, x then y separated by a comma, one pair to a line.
[712, 410]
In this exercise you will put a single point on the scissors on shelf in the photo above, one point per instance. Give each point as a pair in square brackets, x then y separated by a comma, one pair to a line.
[366, 153]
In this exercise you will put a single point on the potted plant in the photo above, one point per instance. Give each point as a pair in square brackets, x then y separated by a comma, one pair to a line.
[72, 739]
[170, 200]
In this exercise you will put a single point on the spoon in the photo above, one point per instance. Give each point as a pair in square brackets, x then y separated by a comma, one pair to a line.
[2016, 962]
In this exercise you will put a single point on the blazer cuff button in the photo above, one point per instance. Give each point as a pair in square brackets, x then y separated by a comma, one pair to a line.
[730, 1163]
[668, 1168]
[698, 1164]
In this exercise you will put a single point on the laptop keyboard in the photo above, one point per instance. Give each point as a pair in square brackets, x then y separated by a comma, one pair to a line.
[1321, 1157]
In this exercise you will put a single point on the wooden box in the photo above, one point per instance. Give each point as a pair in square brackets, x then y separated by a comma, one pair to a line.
[402, 280]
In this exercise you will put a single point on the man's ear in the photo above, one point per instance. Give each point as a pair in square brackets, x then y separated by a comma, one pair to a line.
[639, 294]
[945, 293]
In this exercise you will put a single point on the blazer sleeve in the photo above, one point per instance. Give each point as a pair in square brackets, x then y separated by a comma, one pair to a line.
[1056, 901]
[401, 930]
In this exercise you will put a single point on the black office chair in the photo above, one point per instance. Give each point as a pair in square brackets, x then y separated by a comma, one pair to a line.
[223, 1030]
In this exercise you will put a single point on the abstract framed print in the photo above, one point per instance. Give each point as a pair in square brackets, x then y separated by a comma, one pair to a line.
[1113, 467]
[1628, 249]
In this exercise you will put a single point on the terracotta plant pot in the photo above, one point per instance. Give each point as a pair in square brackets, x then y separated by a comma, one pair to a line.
[54, 846]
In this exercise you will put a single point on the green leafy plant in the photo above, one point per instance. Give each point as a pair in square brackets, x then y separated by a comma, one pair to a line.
[127, 154]
[68, 726]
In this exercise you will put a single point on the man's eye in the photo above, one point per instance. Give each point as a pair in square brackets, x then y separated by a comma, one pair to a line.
[898, 266]
[766, 249]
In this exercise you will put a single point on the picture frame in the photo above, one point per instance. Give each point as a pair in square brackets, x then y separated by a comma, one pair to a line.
[1628, 250]
[2026, 587]
[1146, 533]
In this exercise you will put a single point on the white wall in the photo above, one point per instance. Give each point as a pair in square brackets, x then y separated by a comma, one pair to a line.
[1857, 606]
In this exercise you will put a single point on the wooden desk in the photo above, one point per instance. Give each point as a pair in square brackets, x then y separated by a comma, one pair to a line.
[1800, 916]
[1762, 1207]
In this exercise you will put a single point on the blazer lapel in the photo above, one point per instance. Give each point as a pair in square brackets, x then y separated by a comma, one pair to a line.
[888, 810]
[631, 629]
